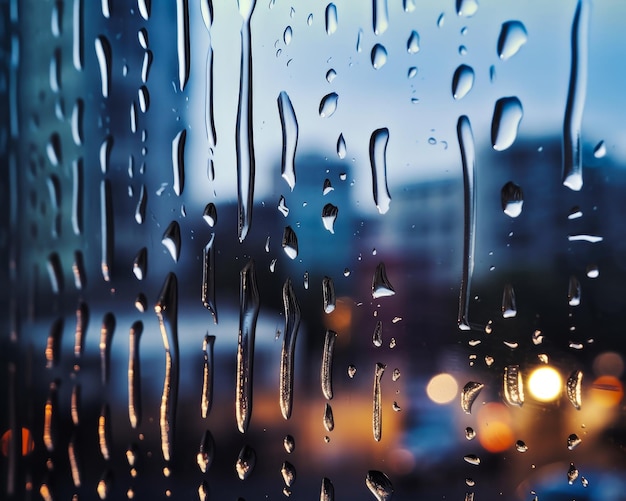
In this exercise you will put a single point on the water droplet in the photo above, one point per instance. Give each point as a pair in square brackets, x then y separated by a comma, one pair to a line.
[205, 454]
[377, 410]
[395, 375]
[72, 453]
[172, 241]
[584, 481]
[469, 395]
[141, 302]
[470, 482]
[413, 43]
[328, 105]
[329, 216]
[573, 441]
[104, 432]
[55, 71]
[105, 154]
[381, 287]
[140, 264]
[327, 492]
[593, 239]
[378, 161]
[378, 56]
[178, 161]
[287, 35]
[330, 75]
[182, 42]
[470, 434]
[472, 459]
[512, 198]
[140, 210]
[513, 385]
[106, 229]
[507, 116]
[290, 242]
[106, 481]
[513, 37]
[380, 17]
[462, 81]
[145, 66]
[206, 8]
[245, 462]
[289, 444]
[145, 7]
[305, 280]
[466, 8]
[288, 471]
[377, 336]
[328, 187]
[572, 474]
[328, 294]
[379, 485]
[574, 388]
[600, 150]
[576, 94]
[208, 277]
[329, 421]
[289, 127]
[132, 113]
[103, 53]
[248, 314]
[593, 271]
[412, 72]
[326, 373]
[144, 98]
[77, 121]
[341, 147]
[210, 214]
[331, 19]
[309, 20]
[573, 291]
[351, 371]
[509, 308]
[441, 20]
[142, 36]
[106, 335]
[77, 35]
[53, 345]
[292, 323]
[206, 400]
[521, 446]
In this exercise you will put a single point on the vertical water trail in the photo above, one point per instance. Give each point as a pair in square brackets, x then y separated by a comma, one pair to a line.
[106, 229]
[248, 314]
[74, 460]
[82, 321]
[380, 16]
[377, 408]
[378, 150]
[292, 323]
[134, 375]
[178, 161]
[289, 127]
[206, 8]
[572, 150]
[49, 421]
[104, 431]
[53, 345]
[326, 376]
[206, 401]
[106, 336]
[166, 310]
[77, 35]
[77, 196]
[182, 42]
[103, 53]
[244, 143]
[208, 278]
[468, 160]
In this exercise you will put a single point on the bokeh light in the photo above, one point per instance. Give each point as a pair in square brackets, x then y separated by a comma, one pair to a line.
[606, 391]
[494, 427]
[608, 363]
[28, 444]
[442, 388]
[545, 384]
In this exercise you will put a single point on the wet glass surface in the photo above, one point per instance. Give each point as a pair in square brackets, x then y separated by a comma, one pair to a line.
[269, 250]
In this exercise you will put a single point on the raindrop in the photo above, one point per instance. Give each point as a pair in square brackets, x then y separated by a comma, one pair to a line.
[53, 345]
[144, 98]
[584, 482]
[309, 20]
[142, 36]
[513, 385]
[290, 242]
[210, 214]
[512, 198]
[572, 474]
[306, 280]
[74, 461]
[106, 334]
[512, 37]
[106, 8]
[395, 375]
[573, 291]
[166, 310]
[182, 42]
[509, 308]
[327, 492]
[77, 121]
[378, 161]
[600, 150]
[206, 452]
[206, 401]
[378, 56]
[287, 35]
[245, 462]
[351, 371]
[55, 273]
[593, 271]
[248, 313]
[289, 444]
[141, 303]
[574, 388]
[103, 53]
[145, 66]
[134, 375]
[573, 441]
[328, 105]
[77, 35]
[288, 471]
[377, 410]
[140, 264]
[140, 210]
[55, 71]
[469, 395]
[462, 81]
[53, 149]
[326, 373]
[379, 485]
[359, 40]
[328, 294]
[377, 337]
[208, 277]
[171, 240]
[341, 147]
[329, 421]
[466, 8]
[178, 161]
[106, 229]
[441, 20]
[331, 19]
[472, 459]
[105, 154]
[470, 434]
[104, 432]
[145, 7]
[133, 117]
[329, 216]
[328, 187]
[412, 72]
[380, 17]
[381, 287]
[330, 75]
[292, 323]
[521, 446]
[289, 127]
[507, 116]
[413, 43]
[576, 94]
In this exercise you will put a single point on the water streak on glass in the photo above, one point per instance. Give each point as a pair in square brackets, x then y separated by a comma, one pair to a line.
[329, 420]
[378, 161]
[78, 112]
[468, 160]
[208, 277]
[145, 7]
[509, 305]
[140, 210]
[74, 461]
[462, 81]
[105, 154]
[380, 16]
[246, 461]
[327, 492]
[166, 310]
[574, 388]
[133, 117]
[55, 71]
[379, 485]
[53, 344]
[381, 286]
[134, 375]
[106, 337]
[53, 150]
[573, 291]
[75, 401]
[82, 321]
[104, 432]
[513, 386]
[290, 242]
[288, 472]
[469, 394]
[178, 161]
[171, 240]
[507, 116]
[377, 337]
[289, 127]
[292, 324]
[145, 66]
[248, 314]
[206, 8]
[77, 35]
[78, 269]
[206, 451]
[331, 19]
[106, 229]
[182, 42]
[206, 399]
[576, 95]
[377, 409]
[326, 373]
[513, 37]
[103, 53]
[55, 273]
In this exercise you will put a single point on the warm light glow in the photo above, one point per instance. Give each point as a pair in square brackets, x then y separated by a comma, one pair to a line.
[494, 430]
[606, 391]
[545, 384]
[442, 389]
[28, 444]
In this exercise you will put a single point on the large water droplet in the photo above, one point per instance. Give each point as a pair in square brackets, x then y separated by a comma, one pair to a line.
[210, 214]
[512, 37]
[378, 161]
[513, 385]
[140, 264]
[292, 324]
[462, 81]
[331, 19]
[512, 199]
[287, 35]
[329, 216]
[329, 420]
[145, 7]
[574, 388]
[466, 8]
[288, 471]
[381, 286]
[245, 462]
[469, 394]
[380, 17]
[289, 444]
[378, 56]
[103, 53]
[328, 105]
[507, 116]
[171, 240]
[379, 485]
[289, 127]
[182, 42]
[413, 43]
[509, 307]
[290, 242]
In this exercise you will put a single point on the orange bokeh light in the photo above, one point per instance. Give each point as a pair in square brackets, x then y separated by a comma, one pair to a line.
[28, 443]
[606, 391]
[494, 430]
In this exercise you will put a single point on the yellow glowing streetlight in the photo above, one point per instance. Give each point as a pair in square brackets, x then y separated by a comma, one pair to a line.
[545, 384]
